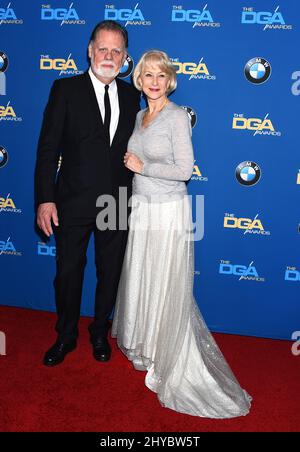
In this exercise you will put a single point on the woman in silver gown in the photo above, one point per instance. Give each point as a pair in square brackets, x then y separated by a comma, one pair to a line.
[157, 322]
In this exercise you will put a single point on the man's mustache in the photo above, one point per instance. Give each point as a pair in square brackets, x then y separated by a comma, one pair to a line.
[104, 63]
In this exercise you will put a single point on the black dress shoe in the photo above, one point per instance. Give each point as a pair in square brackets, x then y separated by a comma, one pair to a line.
[56, 354]
[101, 349]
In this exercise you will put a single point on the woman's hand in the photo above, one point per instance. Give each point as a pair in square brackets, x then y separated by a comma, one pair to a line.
[133, 162]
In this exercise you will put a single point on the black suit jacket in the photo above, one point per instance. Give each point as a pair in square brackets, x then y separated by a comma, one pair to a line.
[73, 127]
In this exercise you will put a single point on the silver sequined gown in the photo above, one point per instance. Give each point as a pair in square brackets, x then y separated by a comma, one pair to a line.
[157, 322]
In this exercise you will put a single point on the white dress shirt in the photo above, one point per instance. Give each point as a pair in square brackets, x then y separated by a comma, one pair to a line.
[113, 99]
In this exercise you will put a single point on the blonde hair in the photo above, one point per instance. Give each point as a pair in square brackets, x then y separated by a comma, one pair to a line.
[163, 61]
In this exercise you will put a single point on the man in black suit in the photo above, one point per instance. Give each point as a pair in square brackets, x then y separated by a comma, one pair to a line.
[88, 121]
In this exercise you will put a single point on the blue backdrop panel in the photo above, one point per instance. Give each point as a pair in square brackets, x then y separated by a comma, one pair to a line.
[239, 77]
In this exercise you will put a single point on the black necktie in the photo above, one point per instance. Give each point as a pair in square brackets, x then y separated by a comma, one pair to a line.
[107, 112]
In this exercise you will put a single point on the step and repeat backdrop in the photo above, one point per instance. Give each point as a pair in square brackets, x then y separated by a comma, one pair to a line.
[238, 72]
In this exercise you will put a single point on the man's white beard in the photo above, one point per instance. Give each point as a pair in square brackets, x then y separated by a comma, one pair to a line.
[102, 71]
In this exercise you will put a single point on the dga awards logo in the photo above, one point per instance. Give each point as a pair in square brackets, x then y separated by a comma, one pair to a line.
[66, 16]
[292, 274]
[250, 226]
[133, 16]
[248, 173]
[127, 67]
[7, 205]
[191, 114]
[198, 71]
[3, 157]
[260, 126]
[7, 113]
[46, 250]
[197, 175]
[296, 85]
[8, 248]
[197, 17]
[65, 66]
[8, 16]
[244, 272]
[269, 20]
[3, 67]
[257, 70]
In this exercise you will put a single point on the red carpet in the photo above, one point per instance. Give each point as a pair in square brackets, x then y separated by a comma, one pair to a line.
[84, 395]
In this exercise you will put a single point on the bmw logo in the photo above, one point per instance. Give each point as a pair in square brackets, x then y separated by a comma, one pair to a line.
[257, 70]
[3, 157]
[127, 67]
[248, 173]
[3, 62]
[192, 115]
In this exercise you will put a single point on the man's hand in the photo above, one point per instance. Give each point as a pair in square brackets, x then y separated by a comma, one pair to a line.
[46, 212]
[133, 162]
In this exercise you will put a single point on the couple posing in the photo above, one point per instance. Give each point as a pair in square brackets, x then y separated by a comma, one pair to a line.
[93, 121]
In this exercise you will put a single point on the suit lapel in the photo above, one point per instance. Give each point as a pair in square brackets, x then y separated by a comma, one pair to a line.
[122, 106]
[93, 99]
[96, 111]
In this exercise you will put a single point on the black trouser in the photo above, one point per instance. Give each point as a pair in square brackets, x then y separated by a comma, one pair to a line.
[71, 247]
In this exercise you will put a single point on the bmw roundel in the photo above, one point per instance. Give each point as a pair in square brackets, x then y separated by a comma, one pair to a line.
[248, 173]
[127, 67]
[3, 156]
[3, 61]
[191, 114]
[257, 70]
